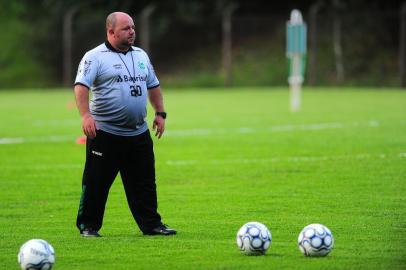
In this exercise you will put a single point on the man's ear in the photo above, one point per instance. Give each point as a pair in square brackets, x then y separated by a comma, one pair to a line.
[111, 31]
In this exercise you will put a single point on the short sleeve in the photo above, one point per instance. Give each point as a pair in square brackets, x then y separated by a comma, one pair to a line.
[152, 80]
[87, 70]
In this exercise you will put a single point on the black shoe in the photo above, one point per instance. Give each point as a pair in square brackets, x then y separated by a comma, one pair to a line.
[89, 233]
[161, 230]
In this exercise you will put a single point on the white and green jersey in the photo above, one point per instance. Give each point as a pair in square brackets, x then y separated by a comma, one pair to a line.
[119, 83]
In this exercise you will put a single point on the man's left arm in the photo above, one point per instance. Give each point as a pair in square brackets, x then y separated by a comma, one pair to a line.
[157, 102]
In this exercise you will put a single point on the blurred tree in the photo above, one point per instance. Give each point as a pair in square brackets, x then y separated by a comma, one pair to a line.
[32, 45]
[18, 68]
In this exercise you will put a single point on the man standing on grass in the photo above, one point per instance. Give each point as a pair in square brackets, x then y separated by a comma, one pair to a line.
[120, 78]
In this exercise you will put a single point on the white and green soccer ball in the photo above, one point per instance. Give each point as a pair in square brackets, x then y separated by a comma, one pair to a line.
[315, 240]
[254, 238]
[36, 254]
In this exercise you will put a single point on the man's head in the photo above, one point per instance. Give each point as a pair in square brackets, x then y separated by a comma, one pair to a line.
[120, 30]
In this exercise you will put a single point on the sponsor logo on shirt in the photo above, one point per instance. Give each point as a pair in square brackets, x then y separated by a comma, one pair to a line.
[126, 78]
[100, 154]
[86, 67]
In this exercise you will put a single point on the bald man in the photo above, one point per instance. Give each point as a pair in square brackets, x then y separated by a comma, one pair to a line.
[120, 77]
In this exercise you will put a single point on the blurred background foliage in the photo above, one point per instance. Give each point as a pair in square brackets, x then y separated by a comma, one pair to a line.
[186, 38]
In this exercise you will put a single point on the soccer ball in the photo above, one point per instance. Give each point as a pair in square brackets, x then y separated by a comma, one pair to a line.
[36, 254]
[254, 238]
[315, 240]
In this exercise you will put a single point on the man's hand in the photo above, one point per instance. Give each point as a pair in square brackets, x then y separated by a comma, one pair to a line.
[159, 126]
[89, 125]
[155, 97]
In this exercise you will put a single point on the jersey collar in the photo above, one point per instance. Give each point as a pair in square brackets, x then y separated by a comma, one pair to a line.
[109, 46]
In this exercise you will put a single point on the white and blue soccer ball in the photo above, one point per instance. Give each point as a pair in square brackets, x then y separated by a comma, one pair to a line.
[315, 240]
[254, 238]
[36, 254]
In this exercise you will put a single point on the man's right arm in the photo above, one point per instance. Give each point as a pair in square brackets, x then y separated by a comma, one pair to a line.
[82, 102]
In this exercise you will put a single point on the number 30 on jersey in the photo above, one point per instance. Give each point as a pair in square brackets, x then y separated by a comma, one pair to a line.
[135, 90]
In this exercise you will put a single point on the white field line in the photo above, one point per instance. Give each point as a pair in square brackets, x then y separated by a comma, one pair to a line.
[284, 159]
[39, 139]
[212, 131]
[62, 166]
[271, 129]
[226, 161]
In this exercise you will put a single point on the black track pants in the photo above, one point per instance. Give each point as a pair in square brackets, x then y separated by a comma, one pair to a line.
[133, 157]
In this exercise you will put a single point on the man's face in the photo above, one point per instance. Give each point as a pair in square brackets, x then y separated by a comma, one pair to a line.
[124, 31]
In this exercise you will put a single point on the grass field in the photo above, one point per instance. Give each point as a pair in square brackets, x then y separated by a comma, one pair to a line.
[228, 157]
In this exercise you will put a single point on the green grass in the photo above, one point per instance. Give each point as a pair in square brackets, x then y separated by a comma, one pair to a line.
[228, 157]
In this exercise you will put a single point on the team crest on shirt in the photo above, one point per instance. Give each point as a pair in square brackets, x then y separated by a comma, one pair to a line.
[141, 65]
